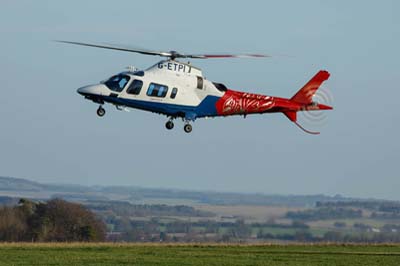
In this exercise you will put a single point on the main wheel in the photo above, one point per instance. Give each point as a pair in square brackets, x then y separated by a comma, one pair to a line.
[187, 128]
[169, 125]
[101, 111]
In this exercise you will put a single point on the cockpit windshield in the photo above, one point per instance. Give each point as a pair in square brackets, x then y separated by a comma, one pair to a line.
[117, 83]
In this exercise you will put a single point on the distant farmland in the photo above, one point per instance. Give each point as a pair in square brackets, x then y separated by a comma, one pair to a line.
[192, 254]
[143, 215]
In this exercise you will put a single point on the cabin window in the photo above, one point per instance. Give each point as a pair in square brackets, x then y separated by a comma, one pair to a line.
[135, 87]
[173, 93]
[199, 82]
[157, 90]
[117, 83]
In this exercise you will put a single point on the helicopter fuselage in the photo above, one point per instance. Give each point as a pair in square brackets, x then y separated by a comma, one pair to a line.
[177, 89]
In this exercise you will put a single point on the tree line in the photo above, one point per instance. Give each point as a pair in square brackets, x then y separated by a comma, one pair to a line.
[123, 208]
[374, 205]
[54, 220]
[324, 213]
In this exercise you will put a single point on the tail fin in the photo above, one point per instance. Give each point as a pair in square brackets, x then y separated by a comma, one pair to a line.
[305, 94]
[292, 115]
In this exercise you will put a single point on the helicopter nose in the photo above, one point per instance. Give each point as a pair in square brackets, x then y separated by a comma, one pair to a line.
[91, 90]
[87, 90]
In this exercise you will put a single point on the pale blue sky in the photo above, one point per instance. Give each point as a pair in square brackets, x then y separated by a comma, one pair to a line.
[49, 133]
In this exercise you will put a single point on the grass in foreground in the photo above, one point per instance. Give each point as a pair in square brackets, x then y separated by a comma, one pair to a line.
[202, 254]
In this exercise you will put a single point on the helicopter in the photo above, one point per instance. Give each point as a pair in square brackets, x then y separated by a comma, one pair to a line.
[179, 90]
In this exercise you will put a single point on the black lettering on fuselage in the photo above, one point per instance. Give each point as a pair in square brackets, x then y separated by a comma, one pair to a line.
[175, 67]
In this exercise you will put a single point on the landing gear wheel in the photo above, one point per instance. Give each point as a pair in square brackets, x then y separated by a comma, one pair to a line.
[101, 111]
[187, 128]
[169, 125]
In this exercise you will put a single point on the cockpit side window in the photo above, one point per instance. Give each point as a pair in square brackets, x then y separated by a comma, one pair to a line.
[117, 83]
[135, 87]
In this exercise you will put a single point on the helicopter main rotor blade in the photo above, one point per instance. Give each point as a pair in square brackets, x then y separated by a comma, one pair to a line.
[120, 48]
[170, 54]
[211, 56]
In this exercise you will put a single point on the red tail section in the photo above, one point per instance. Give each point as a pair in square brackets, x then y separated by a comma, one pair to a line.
[292, 115]
[304, 97]
[305, 94]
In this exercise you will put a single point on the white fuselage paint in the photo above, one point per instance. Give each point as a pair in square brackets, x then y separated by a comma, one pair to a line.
[173, 74]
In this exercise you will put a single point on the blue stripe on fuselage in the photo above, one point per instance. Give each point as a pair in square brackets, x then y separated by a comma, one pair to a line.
[205, 108]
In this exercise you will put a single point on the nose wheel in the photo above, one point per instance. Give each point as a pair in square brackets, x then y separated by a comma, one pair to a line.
[169, 125]
[101, 111]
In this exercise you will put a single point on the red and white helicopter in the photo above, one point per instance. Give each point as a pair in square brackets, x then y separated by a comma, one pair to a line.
[179, 90]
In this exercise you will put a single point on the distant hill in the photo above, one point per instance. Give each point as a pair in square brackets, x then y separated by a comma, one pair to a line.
[19, 184]
[19, 187]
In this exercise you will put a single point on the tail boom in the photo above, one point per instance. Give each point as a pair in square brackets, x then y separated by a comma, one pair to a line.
[243, 103]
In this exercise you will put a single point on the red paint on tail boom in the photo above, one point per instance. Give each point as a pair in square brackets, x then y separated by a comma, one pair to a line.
[242, 103]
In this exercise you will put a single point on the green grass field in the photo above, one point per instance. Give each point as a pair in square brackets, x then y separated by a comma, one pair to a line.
[202, 254]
